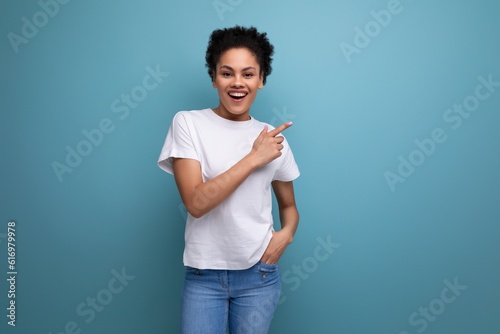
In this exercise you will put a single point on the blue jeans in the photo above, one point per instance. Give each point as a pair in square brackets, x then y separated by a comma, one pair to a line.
[243, 300]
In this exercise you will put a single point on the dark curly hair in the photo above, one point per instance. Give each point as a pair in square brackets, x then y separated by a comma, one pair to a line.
[222, 40]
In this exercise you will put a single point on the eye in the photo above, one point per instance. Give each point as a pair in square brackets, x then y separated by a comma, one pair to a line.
[226, 74]
[248, 75]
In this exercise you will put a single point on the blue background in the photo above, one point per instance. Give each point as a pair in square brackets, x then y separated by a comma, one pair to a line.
[356, 116]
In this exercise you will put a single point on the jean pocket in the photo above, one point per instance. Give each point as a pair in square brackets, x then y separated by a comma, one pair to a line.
[267, 268]
[269, 275]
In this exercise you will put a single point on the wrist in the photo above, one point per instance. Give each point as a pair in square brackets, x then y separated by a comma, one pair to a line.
[250, 161]
[287, 234]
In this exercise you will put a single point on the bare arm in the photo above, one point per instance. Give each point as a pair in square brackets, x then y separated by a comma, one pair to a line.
[200, 197]
[289, 217]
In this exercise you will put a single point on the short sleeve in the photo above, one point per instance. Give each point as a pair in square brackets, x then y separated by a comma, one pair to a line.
[178, 143]
[288, 170]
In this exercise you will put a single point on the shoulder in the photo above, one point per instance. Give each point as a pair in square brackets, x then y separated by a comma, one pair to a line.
[261, 125]
[190, 115]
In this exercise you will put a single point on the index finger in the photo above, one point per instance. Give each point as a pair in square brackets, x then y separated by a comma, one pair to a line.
[280, 128]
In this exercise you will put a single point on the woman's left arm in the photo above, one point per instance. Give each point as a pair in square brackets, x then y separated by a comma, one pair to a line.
[289, 218]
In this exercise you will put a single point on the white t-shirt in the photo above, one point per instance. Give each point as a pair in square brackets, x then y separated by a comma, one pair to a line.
[235, 234]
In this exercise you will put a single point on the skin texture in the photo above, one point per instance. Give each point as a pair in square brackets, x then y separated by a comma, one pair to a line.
[239, 71]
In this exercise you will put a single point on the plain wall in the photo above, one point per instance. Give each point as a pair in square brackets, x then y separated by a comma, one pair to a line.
[395, 133]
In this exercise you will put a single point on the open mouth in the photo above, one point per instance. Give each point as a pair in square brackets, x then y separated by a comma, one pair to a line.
[237, 96]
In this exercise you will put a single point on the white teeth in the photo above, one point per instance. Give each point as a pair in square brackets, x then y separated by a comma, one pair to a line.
[237, 94]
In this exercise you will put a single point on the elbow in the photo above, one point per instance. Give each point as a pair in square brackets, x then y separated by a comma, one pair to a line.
[195, 210]
[196, 214]
[195, 205]
[290, 207]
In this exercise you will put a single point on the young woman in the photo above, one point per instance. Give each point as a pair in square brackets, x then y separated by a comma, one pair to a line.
[224, 163]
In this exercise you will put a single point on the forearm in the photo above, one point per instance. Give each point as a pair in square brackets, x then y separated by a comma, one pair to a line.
[289, 219]
[209, 194]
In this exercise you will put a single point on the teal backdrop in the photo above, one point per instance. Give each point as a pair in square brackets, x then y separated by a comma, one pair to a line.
[395, 104]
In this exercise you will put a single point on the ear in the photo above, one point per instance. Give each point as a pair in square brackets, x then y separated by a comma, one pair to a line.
[261, 82]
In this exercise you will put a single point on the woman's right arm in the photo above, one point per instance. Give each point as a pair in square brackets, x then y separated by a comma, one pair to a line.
[200, 197]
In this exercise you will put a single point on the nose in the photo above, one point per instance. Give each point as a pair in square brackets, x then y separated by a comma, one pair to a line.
[237, 81]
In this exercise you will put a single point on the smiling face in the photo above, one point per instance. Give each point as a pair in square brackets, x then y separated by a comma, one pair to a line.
[237, 79]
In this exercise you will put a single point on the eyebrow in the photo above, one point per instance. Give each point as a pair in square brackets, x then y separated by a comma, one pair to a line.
[231, 69]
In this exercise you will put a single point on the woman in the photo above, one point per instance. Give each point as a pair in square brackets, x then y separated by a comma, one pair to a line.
[224, 162]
